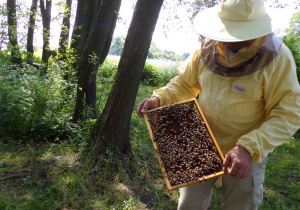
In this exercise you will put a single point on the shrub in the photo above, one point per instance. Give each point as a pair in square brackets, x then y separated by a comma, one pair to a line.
[166, 55]
[293, 43]
[108, 69]
[159, 74]
[292, 40]
[167, 73]
[32, 106]
[151, 75]
[105, 81]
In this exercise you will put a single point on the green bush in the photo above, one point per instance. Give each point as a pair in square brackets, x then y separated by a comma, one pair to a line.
[108, 69]
[117, 45]
[293, 43]
[166, 55]
[158, 75]
[167, 73]
[292, 40]
[105, 79]
[151, 75]
[34, 107]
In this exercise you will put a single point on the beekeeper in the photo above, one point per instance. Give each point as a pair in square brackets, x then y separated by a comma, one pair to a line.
[248, 91]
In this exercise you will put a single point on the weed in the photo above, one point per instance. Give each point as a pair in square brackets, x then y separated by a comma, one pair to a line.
[32, 104]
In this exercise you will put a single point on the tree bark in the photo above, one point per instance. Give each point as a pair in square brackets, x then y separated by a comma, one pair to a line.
[76, 34]
[65, 29]
[93, 54]
[86, 10]
[31, 26]
[12, 32]
[112, 127]
[46, 19]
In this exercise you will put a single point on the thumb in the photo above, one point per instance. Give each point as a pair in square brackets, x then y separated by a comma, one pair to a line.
[145, 107]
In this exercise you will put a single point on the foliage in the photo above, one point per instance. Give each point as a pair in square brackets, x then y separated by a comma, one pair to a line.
[294, 26]
[3, 26]
[156, 73]
[157, 76]
[22, 21]
[153, 53]
[292, 40]
[293, 43]
[117, 45]
[167, 73]
[164, 55]
[150, 75]
[105, 78]
[108, 69]
[185, 55]
[34, 106]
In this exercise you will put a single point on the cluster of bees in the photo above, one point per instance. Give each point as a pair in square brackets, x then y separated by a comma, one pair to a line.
[184, 145]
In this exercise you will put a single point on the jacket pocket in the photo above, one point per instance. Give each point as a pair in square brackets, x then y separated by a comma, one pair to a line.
[245, 101]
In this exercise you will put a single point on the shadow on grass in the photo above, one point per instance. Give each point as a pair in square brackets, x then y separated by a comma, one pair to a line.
[153, 197]
[48, 176]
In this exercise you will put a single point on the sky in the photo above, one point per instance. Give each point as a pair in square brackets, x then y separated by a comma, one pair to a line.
[170, 33]
[174, 30]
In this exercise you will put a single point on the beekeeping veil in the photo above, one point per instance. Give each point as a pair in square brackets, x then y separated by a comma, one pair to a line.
[237, 21]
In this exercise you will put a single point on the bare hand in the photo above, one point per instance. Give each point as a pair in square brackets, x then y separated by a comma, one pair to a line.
[240, 161]
[146, 104]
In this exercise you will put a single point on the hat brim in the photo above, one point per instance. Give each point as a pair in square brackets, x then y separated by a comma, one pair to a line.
[209, 24]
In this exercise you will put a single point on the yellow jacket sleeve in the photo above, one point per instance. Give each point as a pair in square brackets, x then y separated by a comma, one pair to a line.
[182, 87]
[282, 106]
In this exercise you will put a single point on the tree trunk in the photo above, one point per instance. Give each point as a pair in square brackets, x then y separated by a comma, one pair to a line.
[112, 127]
[46, 19]
[65, 29]
[76, 34]
[93, 54]
[12, 32]
[30, 34]
[86, 10]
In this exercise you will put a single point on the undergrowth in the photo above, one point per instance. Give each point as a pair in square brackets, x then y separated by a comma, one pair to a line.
[34, 106]
[51, 176]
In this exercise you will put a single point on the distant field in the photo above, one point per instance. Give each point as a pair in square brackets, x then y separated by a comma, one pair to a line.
[157, 62]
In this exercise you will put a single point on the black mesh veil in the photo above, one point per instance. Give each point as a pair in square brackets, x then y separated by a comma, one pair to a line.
[264, 55]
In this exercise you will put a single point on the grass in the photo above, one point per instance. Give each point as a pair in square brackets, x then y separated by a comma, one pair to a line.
[282, 185]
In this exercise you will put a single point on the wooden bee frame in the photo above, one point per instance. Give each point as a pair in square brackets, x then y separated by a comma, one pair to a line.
[210, 140]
